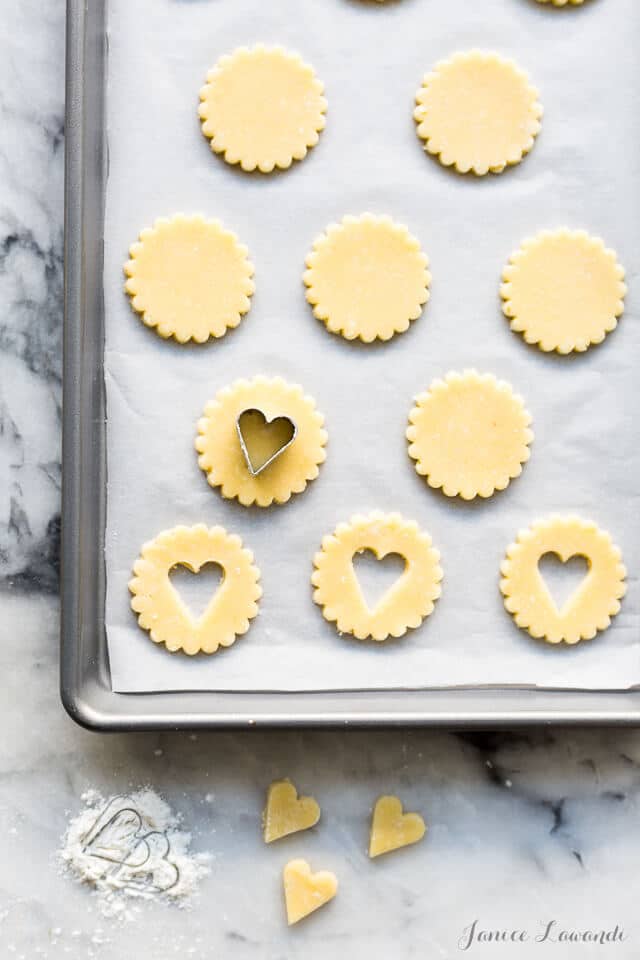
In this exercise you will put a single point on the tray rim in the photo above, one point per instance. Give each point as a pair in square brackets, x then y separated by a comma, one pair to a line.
[84, 679]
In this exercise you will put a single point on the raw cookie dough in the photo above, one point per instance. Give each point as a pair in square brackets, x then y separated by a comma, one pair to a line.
[477, 112]
[262, 108]
[220, 451]
[590, 608]
[469, 434]
[189, 278]
[392, 829]
[286, 812]
[304, 891]
[159, 606]
[563, 290]
[405, 605]
[367, 277]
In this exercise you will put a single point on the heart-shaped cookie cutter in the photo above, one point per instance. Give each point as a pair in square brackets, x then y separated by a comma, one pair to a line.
[139, 860]
[251, 412]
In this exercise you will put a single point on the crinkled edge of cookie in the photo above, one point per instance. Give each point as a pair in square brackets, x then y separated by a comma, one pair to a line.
[325, 239]
[214, 409]
[524, 536]
[451, 380]
[142, 605]
[163, 329]
[250, 164]
[365, 522]
[565, 345]
[519, 150]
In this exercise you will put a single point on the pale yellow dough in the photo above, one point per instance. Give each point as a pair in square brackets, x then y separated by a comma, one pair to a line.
[286, 812]
[159, 606]
[220, 453]
[405, 605]
[593, 604]
[189, 278]
[563, 290]
[367, 278]
[469, 434]
[305, 892]
[478, 113]
[262, 108]
[392, 828]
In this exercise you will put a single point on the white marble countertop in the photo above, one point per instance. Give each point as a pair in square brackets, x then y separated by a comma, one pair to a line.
[524, 829]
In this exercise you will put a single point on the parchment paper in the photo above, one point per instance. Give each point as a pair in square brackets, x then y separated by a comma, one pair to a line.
[583, 172]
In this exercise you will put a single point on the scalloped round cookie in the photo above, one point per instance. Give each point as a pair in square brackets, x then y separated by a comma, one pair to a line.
[477, 112]
[162, 612]
[469, 434]
[367, 278]
[408, 601]
[290, 466]
[563, 290]
[590, 608]
[262, 108]
[189, 278]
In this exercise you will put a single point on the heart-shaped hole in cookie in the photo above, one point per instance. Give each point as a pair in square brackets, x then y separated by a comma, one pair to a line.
[261, 440]
[377, 575]
[197, 588]
[563, 578]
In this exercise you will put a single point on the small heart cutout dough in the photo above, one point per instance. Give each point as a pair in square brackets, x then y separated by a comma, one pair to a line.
[562, 577]
[305, 892]
[392, 829]
[286, 812]
[263, 440]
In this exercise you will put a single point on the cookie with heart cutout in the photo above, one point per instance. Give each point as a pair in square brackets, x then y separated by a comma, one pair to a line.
[590, 608]
[260, 441]
[160, 608]
[404, 605]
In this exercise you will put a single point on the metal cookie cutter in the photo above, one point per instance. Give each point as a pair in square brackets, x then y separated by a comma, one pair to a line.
[254, 415]
[139, 859]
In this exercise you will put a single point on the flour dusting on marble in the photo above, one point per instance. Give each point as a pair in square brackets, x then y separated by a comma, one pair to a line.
[131, 849]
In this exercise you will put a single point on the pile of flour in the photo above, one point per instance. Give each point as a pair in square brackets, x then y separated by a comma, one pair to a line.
[130, 848]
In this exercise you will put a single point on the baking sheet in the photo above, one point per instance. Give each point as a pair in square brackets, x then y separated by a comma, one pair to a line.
[583, 172]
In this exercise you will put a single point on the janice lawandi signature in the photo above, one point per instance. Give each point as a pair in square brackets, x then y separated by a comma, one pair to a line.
[548, 931]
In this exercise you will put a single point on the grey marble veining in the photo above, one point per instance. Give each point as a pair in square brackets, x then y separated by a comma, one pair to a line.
[31, 239]
[524, 828]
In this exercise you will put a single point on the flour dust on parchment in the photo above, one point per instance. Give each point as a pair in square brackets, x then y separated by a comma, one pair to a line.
[131, 848]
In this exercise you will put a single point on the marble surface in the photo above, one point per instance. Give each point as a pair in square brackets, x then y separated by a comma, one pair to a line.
[524, 828]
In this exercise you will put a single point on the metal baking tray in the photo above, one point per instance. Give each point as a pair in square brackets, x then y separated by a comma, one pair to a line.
[85, 682]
